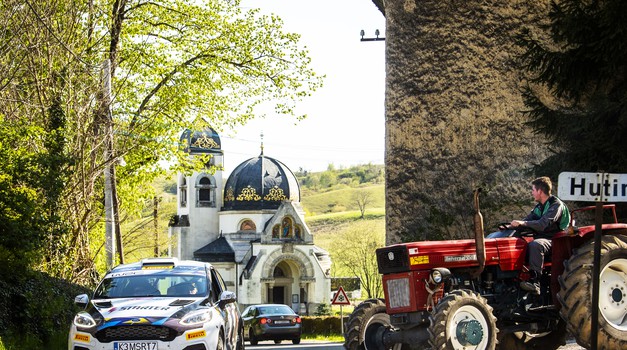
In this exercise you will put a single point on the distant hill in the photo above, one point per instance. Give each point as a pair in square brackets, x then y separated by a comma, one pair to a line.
[335, 190]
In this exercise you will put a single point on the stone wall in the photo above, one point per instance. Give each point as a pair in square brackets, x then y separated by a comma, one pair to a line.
[453, 115]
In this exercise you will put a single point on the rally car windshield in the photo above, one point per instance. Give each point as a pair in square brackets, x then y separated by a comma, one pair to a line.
[175, 285]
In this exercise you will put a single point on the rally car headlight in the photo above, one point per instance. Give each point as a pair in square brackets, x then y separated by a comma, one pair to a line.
[84, 320]
[196, 317]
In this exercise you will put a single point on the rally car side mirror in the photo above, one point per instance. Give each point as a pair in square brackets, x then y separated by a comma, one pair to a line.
[81, 300]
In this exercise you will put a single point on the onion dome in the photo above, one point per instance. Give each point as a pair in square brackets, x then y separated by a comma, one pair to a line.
[205, 141]
[260, 183]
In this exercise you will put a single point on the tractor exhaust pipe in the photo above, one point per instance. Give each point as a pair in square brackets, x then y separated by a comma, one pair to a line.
[479, 235]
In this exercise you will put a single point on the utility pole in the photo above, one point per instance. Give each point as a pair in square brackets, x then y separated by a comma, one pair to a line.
[155, 218]
[106, 114]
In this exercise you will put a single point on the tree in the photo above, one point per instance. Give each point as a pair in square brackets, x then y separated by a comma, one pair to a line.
[362, 197]
[578, 92]
[174, 65]
[353, 253]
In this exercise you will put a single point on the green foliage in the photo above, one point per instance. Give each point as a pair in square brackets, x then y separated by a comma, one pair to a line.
[201, 63]
[323, 324]
[323, 310]
[35, 309]
[23, 218]
[582, 66]
[352, 247]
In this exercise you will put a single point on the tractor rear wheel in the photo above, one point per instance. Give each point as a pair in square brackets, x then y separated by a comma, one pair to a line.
[463, 320]
[365, 326]
[575, 293]
[528, 341]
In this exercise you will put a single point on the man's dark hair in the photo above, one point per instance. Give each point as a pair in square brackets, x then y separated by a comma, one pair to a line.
[544, 184]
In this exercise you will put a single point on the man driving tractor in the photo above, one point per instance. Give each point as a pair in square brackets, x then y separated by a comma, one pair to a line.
[548, 217]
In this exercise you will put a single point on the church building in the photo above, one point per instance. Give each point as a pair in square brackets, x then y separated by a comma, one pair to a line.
[251, 228]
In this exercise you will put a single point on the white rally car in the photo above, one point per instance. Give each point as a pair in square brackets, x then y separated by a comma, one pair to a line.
[159, 304]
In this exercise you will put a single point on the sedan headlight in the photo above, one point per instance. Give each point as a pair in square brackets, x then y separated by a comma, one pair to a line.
[196, 317]
[84, 320]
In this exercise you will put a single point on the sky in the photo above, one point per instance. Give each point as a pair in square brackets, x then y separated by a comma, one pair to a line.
[345, 122]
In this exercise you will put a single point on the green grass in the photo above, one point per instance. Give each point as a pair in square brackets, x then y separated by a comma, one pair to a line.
[337, 338]
[342, 200]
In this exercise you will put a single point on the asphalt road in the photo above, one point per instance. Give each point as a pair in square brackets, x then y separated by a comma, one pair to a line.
[305, 344]
[319, 345]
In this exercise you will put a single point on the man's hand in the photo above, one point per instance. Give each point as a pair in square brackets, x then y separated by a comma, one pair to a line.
[517, 223]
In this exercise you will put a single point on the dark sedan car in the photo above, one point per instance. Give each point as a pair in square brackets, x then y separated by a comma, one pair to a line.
[271, 322]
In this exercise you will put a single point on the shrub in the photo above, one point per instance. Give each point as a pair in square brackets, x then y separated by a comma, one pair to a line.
[323, 310]
[36, 310]
[322, 325]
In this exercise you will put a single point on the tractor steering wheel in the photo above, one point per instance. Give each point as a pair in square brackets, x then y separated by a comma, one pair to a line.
[518, 231]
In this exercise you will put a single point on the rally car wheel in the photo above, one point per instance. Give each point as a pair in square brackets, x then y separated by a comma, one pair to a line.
[365, 326]
[240, 339]
[220, 345]
[463, 320]
[575, 293]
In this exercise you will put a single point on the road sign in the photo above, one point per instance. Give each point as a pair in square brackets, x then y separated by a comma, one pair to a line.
[340, 298]
[592, 187]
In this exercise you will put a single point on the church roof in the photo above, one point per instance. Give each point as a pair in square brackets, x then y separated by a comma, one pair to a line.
[260, 183]
[203, 141]
[217, 251]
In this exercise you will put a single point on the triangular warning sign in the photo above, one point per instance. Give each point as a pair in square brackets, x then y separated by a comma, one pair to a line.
[340, 298]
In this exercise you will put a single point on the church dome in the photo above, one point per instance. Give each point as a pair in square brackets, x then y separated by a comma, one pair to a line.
[260, 183]
[204, 141]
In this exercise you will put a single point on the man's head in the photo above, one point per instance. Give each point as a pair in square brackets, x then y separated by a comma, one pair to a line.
[541, 188]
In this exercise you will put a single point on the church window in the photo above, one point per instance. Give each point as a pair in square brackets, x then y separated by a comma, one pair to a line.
[278, 272]
[206, 191]
[276, 229]
[286, 228]
[183, 192]
[248, 225]
[298, 232]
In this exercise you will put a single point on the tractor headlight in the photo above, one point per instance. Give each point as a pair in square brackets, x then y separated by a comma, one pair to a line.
[439, 275]
[436, 276]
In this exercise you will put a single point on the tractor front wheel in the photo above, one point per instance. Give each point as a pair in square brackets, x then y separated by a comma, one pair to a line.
[365, 326]
[463, 320]
[575, 293]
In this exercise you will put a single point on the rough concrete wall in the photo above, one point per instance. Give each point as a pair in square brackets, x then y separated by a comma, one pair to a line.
[453, 115]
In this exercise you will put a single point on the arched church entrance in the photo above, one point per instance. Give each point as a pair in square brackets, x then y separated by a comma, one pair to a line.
[284, 275]
[288, 279]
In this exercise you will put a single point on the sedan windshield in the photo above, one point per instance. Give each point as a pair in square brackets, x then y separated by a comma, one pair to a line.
[276, 310]
[175, 285]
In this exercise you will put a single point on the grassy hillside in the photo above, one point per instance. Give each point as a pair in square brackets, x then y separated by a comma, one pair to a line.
[342, 200]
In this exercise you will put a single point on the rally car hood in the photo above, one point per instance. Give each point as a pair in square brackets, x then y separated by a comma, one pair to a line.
[144, 307]
[155, 311]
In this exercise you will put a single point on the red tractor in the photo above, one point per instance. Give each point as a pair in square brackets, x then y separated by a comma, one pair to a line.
[465, 294]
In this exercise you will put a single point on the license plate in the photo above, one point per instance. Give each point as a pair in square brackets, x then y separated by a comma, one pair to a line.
[135, 345]
[282, 322]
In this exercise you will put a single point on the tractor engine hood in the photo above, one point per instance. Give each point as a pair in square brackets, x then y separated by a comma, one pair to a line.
[507, 252]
